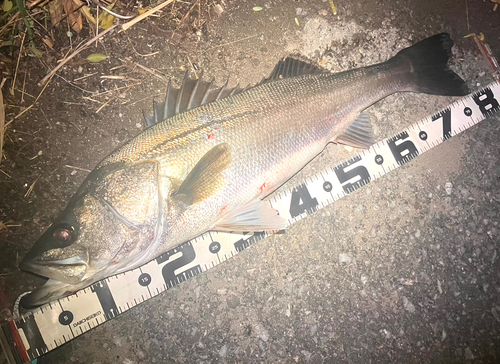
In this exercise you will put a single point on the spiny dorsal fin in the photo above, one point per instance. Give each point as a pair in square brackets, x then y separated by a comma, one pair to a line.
[197, 92]
[191, 94]
[293, 67]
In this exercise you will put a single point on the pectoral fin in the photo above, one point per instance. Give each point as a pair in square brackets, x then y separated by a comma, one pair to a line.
[206, 178]
[255, 216]
[359, 134]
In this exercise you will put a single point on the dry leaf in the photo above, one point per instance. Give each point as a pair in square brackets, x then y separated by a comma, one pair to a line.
[88, 15]
[7, 5]
[97, 57]
[56, 10]
[71, 7]
[107, 20]
[49, 42]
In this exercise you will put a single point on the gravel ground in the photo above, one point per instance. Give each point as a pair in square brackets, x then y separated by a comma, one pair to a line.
[402, 270]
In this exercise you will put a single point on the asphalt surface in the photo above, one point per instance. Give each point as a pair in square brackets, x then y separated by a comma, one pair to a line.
[405, 269]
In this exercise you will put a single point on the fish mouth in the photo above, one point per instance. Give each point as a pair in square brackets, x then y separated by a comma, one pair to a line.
[50, 291]
[69, 271]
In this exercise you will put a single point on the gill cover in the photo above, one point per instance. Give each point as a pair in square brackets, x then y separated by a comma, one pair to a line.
[110, 224]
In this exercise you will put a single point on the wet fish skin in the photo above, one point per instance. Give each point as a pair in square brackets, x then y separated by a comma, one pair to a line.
[208, 168]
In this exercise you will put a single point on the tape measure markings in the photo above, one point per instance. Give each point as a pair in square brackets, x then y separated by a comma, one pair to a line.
[51, 325]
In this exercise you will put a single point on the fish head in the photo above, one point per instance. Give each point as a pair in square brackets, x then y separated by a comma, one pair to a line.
[109, 226]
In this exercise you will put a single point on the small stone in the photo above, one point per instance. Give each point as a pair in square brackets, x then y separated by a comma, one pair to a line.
[306, 353]
[222, 291]
[223, 351]
[233, 302]
[408, 305]
[314, 328]
[364, 279]
[345, 259]
[118, 341]
[448, 187]
[300, 11]
[468, 354]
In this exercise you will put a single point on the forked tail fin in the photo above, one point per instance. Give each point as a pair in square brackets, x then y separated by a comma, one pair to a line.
[429, 67]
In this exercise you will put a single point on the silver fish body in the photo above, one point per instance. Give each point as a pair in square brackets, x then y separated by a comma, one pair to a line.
[209, 168]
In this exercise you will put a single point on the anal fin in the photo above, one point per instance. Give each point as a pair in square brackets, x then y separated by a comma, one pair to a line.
[359, 134]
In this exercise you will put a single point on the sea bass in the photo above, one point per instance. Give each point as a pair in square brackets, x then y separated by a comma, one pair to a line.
[211, 156]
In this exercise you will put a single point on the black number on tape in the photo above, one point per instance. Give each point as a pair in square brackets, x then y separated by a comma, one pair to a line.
[302, 201]
[168, 270]
[403, 151]
[65, 318]
[32, 332]
[359, 172]
[486, 101]
[144, 279]
[446, 116]
[214, 247]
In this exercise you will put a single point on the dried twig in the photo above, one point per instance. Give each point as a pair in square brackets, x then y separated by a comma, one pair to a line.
[129, 103]
[51, 73]
[8, 175]
[189, 11]
[30, 189]
[142, 55]
[152, 71]
[17, 65]
[2, 122]
[29, 107]
[105, 104]
[80, 169]
[145, 15]
[83, 77]
[11, 20]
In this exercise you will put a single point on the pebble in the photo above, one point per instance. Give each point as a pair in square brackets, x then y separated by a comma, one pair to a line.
[448, 188]
[408, 305]
[345, 259]
[223, 351]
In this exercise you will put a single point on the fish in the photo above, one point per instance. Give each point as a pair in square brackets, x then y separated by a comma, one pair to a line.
[210, 156]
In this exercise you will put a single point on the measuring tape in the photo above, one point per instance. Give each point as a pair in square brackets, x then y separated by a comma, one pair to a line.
[60, 321]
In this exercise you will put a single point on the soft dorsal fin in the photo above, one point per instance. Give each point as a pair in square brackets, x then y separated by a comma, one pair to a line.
[293, 67]
[206, 178]
[191, 94]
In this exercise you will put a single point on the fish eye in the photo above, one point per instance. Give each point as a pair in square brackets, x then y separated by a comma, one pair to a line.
[64, 235]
